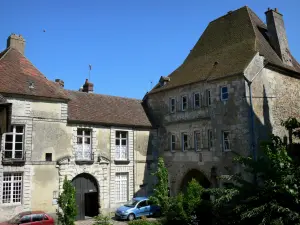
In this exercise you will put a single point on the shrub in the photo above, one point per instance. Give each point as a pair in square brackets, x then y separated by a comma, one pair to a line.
[67, 204]
[102, 220]
[144, 221]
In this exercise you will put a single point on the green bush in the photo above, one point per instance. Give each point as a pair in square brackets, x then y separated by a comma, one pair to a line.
[144, 221]
[67, 204]
[102, 220]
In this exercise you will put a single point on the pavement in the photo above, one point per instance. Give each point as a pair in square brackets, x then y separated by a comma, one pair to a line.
[114, 222]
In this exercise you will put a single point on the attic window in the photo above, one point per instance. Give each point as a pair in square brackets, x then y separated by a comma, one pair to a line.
[31, 84]
[163, 81]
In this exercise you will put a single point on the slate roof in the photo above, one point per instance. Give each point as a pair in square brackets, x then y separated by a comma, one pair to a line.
[104, 109]
[17, 75]
[225, 48]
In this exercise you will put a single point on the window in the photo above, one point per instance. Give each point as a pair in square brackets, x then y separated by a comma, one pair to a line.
[121, 187]
[26, 219]
[184, 142]
[197, 140]
[48, 157]
[37, 217]
[13, 147]
[184, 103]
[208, 97]
[121, 145]
[84, 147]
[224, 93]
[12, 188]
[142, 204]
[172, 105]
[210, 138]
[173, 141]
[226, 142]
[197, 100]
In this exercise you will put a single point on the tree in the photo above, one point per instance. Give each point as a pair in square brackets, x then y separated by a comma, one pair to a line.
[67, 204]
[272, 199]
[160, 196]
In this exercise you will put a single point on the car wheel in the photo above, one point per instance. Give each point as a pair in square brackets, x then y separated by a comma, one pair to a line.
[131, 217]
[157, 213]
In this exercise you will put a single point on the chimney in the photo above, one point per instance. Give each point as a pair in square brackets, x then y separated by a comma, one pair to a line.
[277, 35]
[88, 87]
[16, 42]
[60, 82]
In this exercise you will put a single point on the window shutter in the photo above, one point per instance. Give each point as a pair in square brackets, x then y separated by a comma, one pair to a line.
[169, 145]
[189, 141]
[191, 102]
[205, 98]
[202, 138]
[205, 132]
[178, 105]
[177, 142]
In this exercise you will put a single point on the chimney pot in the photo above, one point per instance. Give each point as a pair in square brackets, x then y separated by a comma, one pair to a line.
[60, 82]
[16, 42]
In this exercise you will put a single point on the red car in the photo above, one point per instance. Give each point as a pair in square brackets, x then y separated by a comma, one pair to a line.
[30, 218]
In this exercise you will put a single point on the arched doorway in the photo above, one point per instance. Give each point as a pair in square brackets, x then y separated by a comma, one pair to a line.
[87, 196]
[198, 176]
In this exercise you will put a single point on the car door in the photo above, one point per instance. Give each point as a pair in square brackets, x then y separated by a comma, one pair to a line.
[37, 219]
[142, 208]
[47, 220]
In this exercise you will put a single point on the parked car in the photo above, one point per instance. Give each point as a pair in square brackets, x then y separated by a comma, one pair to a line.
[137, 207]
[30, 218]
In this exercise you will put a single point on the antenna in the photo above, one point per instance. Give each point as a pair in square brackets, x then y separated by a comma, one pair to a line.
[151, 85]
[90, 68]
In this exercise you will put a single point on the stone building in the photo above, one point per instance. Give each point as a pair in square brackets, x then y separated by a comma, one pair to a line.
[228, 95]
[104, 144]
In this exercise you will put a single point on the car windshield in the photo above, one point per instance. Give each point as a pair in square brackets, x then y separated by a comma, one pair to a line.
[131, 203]
[15, 219]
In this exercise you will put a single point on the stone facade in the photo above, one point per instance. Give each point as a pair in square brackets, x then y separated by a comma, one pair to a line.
[48, 132]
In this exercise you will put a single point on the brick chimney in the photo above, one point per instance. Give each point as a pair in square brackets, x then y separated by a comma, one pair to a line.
[277, 35]
[60, 82]
[17, 42]
[88, 87]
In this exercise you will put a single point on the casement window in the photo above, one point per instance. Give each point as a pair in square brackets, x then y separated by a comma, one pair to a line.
[84, 146]
[210, 139]
[173, 142]
[121, 145]
[224, 93]
[12, 188]
[172, 105]
[197, 98]
[14, 143]
[226, 141]
[184, 141]
[208, 97]
[184, 103]
[197, 139]
[121, 187]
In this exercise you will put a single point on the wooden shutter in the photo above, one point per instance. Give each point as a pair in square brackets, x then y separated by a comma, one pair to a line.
[178, 104]
[169, 144]
[205, 98]
[205, 138]
[191, 101]
[177, 142]
[189, 141]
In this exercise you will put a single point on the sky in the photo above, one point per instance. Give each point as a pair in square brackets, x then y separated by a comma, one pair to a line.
[129, 44]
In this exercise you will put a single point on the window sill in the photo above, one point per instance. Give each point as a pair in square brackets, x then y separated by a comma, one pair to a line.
[227, 150]
[11, 204]
[122, 161]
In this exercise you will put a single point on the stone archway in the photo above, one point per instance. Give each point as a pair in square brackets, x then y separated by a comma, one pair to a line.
[198, 176]
[87, 196]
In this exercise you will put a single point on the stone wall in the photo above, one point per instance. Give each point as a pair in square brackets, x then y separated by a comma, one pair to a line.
[231, 116]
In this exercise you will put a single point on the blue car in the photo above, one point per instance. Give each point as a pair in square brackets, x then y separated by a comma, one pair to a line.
[137, 207]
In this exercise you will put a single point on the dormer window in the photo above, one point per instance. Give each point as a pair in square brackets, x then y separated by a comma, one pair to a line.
[163, 81]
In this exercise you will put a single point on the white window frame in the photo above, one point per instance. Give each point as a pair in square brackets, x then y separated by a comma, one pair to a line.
[208, 97]
[224, 140]
[199, 96]
[210, 139]
[222, 98]
[14, 142]
[171, 105]
[183, 147]
[12, 186]
[84, 150]
[119, 149]
[182, 108]
[173, 142]
[197, 132]
[121, 187]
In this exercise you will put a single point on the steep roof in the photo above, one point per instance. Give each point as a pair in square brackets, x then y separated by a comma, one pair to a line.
[19, 76]
[225, 48]
[104, 109]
